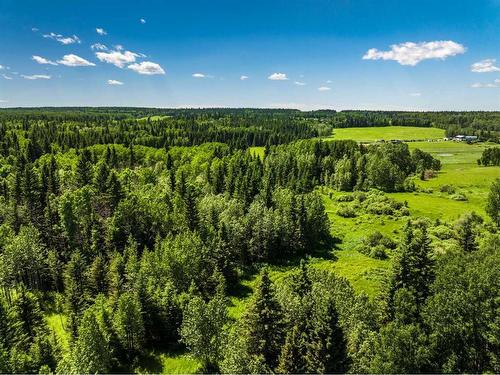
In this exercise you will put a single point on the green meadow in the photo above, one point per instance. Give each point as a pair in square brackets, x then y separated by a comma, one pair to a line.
[372, 134]
[459, 168]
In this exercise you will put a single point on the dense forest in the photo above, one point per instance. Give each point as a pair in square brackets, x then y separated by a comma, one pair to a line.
[138, 225]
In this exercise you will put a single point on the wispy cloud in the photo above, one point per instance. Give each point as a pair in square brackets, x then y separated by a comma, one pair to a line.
[34, 29]
[63, 39]
[5, 76]
[142, 20]
[299, 83]
[199, 75]
[117, 58]
[3, 101]
[36, 76]
[243, 78]
[114, 82]
[479, 85]
[101, 31]
[98, 47]
[411, 53]
[278, 77]
[2, 67]
[147, 68]
[74, 60]
[415, 94]
[42, 60]
[485, 66]
[324, 88]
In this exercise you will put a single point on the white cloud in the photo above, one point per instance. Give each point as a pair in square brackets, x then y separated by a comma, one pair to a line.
[3, 101]
[98, 47]
[36, 76]
[2, 67]
[118, 47]
[278, 77]
[243, 78]
[5, 76]
[299, 83]
[42, 60]
[101, 31]
[324, 88]
[114, 82]
[34, 29]
[199, 75]
[147, 68]
[485, 85]
[117, 58]
[74, 60]
[415, 94]
[142, 20]
[497, 81]
[484, 66]
[63, 39]
[329, 81]
[411, 53]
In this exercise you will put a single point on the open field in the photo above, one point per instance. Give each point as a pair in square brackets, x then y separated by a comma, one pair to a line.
[459, 168]
[372, 134]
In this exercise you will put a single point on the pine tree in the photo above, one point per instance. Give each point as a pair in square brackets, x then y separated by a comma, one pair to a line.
[114, 190]
[414, 266]
[292, 357]
[264, 323]
[75, 291]
[84, 168]
[101, 177]
[327, 346]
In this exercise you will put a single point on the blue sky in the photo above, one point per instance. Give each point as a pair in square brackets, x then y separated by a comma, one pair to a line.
[341, 54]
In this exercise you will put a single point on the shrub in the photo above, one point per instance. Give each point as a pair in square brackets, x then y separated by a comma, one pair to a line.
[376, 245]
[450, 189]
[459, 197]
[345, 198]
[346, 211]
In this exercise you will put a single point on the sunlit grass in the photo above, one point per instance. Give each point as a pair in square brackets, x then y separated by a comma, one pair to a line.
[372, 134]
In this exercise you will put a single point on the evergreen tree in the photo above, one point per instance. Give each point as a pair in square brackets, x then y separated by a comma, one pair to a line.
[264, 322]
[84, 168]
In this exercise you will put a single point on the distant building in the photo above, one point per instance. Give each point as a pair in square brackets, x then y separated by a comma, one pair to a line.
[465, 138]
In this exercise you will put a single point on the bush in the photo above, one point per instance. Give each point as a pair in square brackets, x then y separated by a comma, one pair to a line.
[450, 189]
[376, 245]
[459, 197]
[346, 211]
[409, 184]
[345, 198]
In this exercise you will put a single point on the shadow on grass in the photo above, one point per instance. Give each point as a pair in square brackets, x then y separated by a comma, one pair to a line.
[326, 251]
[153, 360]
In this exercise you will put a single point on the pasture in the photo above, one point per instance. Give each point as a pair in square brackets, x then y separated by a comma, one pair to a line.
[373, 134]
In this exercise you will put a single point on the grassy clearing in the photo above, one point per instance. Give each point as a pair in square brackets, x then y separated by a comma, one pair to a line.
[169, 362]
[257, 151]
[154, 118]
[57, 324]
[387, 133]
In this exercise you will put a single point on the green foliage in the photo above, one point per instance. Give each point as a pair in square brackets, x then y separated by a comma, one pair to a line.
[201, 328]
[493, 202]
[124, 235]
[128, 323]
